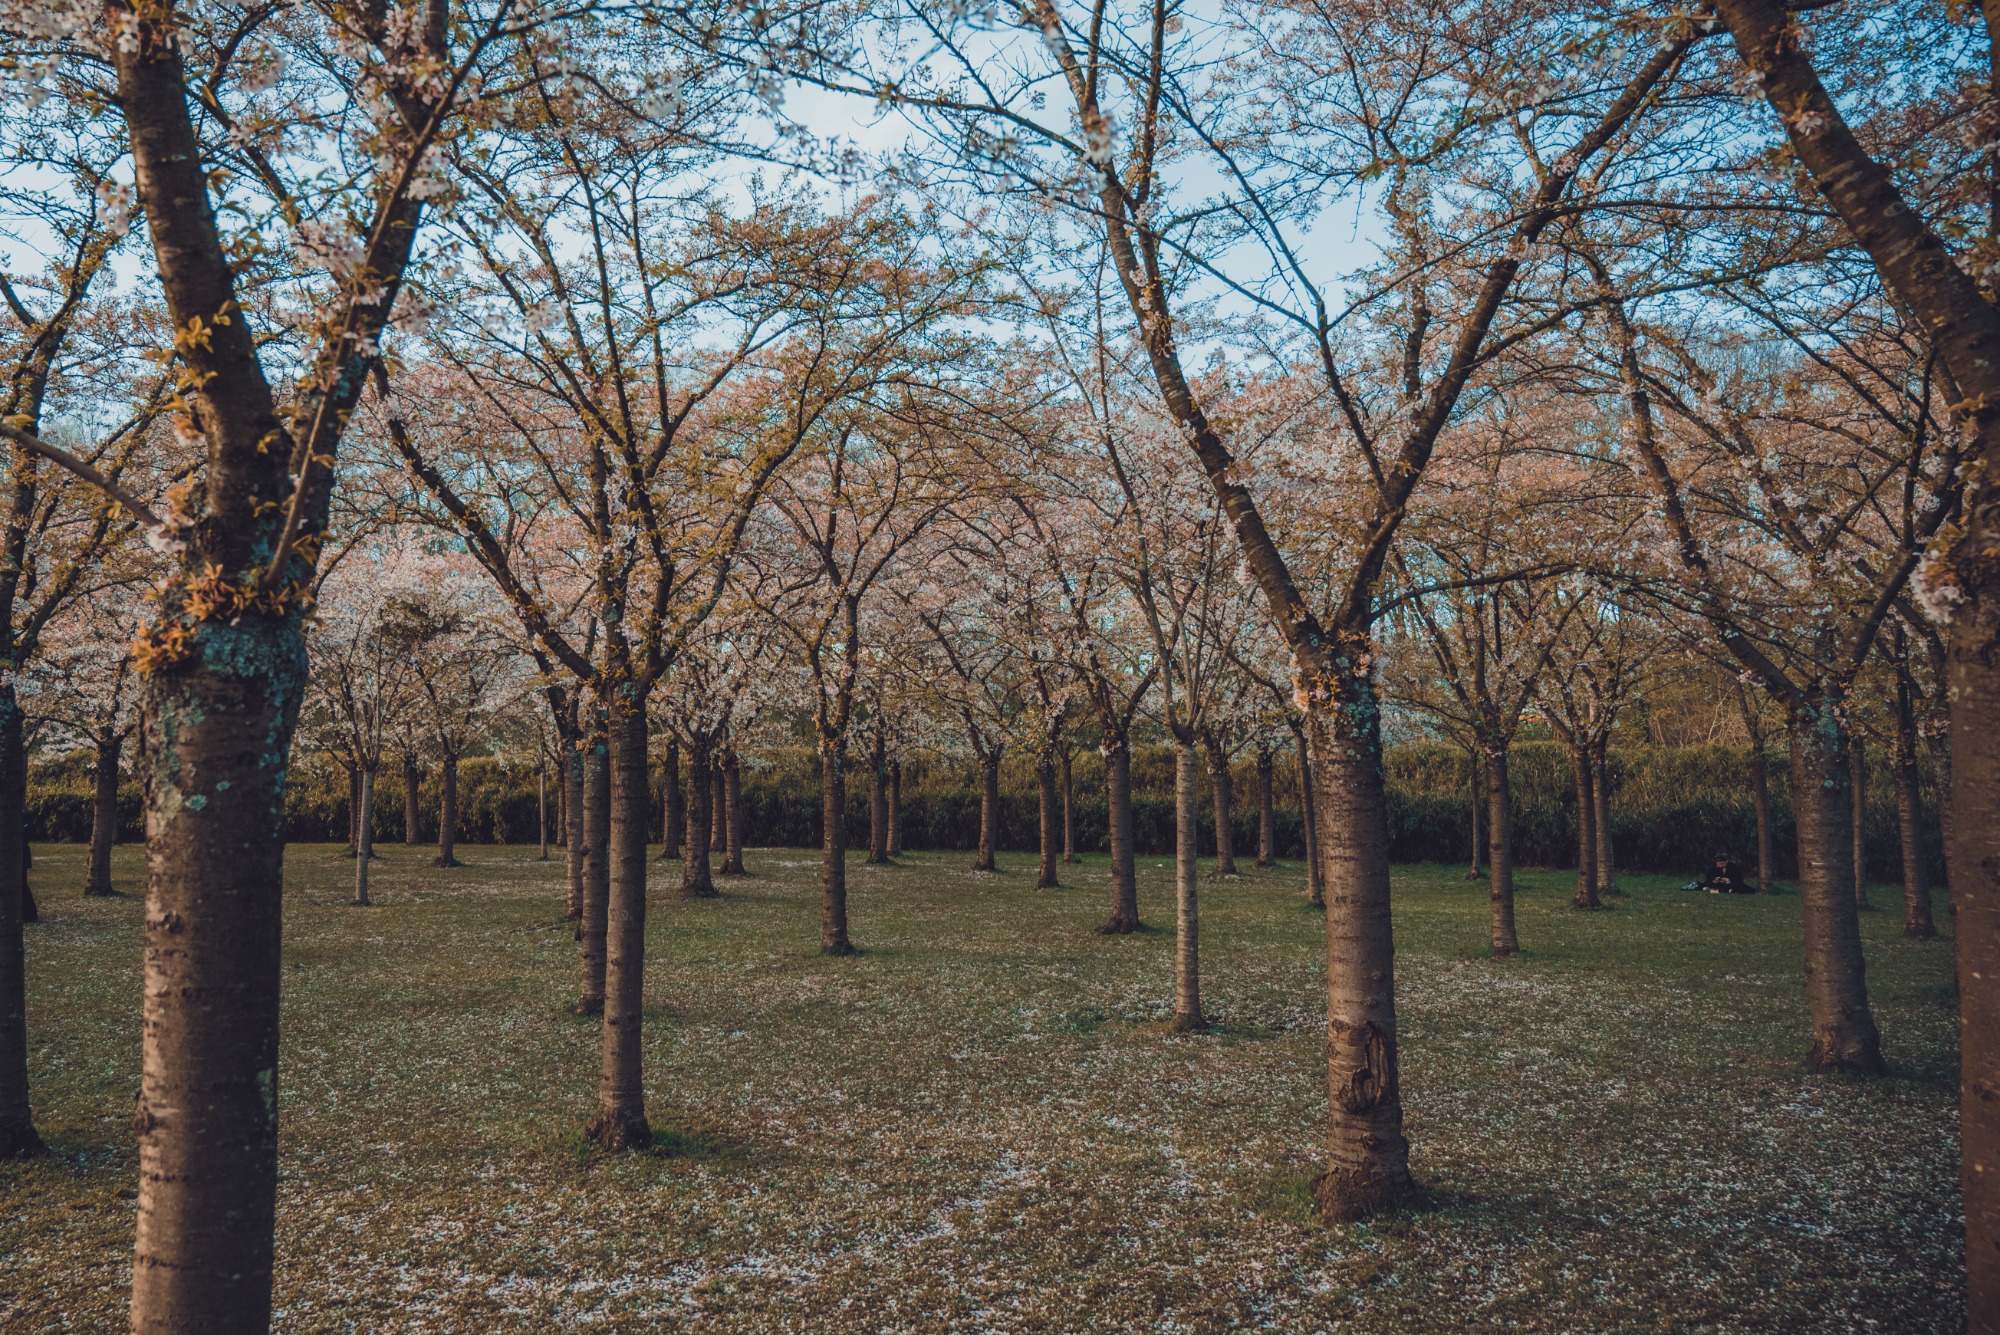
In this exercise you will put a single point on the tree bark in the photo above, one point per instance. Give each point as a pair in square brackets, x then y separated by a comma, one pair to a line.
[1068, 809]
[1600, 792]
[878, 804]
[1309, 804]
[1760, 797]
[1049, 815]
[575, 840]
[1187, 878]
[732, 799]
[596, 808]
[1472, 871]
[1367, 1156]
[895, 808]
[833, 938]
[989, 812]
[1917, 921]
[1843, 1031]
[104, 816]
[364, 836]
[618, 1121]
[1857, 780]
[696, 880]
[718, 808]
[17, 1127]
[1500, 854]
[542, 806]
[448, 811]
[353, 808]
[673, 827]
[412, 777]
[1124, 876]
[1267, 816]
[1586, 829]
[1223, 796]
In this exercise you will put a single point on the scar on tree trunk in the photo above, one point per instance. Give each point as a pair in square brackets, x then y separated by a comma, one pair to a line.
[1124, 877]
[104, 816]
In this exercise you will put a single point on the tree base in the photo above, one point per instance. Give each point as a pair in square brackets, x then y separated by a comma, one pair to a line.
[1505, 952]
[618, 1130]
[1266, 864]
[100, 892]
[1348, 1196]
[1187, 1024]
[841, 948]
[1119, 926]
[446, 862]
[700, 892]
[1850, 1054]
[731, 869]
[590, 1006]
[1586, 905]
[19, 1141]
[1050, 884]
[1920, 931]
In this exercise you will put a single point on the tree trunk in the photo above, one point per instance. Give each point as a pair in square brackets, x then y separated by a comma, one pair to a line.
[575, 837]
[1223, 797]
[1843, 1031]
[1368, 1158]
[1187, 877]
[732, 801]
[1124, 876]
[618, 1122]
[1857, 761]
[448, 811]
[833, 939]
[1309, 808]
[989, 812]
[104, 817]
[878, 804]
[1917, 920]
[1267, 816]
[1760, 796]
[1068, 809]
[412, 777]
[673, 821]
[17, 1127]
[353, 808]
[364, 836]
[895, 808]
[696, 880]
[718, 808]
[1472, 872]
[1045, 785]
[1600, 792]
[1500, 854]
[217, 742]
[1586, 830]
[596, 807]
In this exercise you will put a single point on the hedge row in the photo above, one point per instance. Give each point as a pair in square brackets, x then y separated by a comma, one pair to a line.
[1672, 808]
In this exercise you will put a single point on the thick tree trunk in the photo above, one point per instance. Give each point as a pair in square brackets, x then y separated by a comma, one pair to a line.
[1309, 808]
[1045, 787]
[448, 811]
[673, 818]
[878, 804]
[895, 808]
[1187, 879]
[1223, 796]
[989, 812]
[364, 836]
[1368, 1158]
[1500, 854]
[1267, 816]
[618, 1121]
[1586, 830]
[1917, 920]
[1472, 871]
[596, 806]
[104, 817]
[17, 1127]
[207, 1113]
[1843, 1031]
[1760, 797]
[1069, 809]
[1600, 792]
[696, 880]
[412, 778]
[575, 836]
[1857, 787]
[833, 938]
[1124, 876]
[732, 800]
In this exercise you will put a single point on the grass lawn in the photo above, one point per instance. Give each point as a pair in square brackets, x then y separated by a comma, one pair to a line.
[981, 1124]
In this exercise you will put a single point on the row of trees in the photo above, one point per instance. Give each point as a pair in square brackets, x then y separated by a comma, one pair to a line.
[469, 327]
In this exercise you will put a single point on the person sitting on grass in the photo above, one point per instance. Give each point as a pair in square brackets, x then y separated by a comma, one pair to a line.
[1724, 878]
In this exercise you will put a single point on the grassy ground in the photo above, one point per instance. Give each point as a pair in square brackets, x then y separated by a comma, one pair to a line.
[981, 1124]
